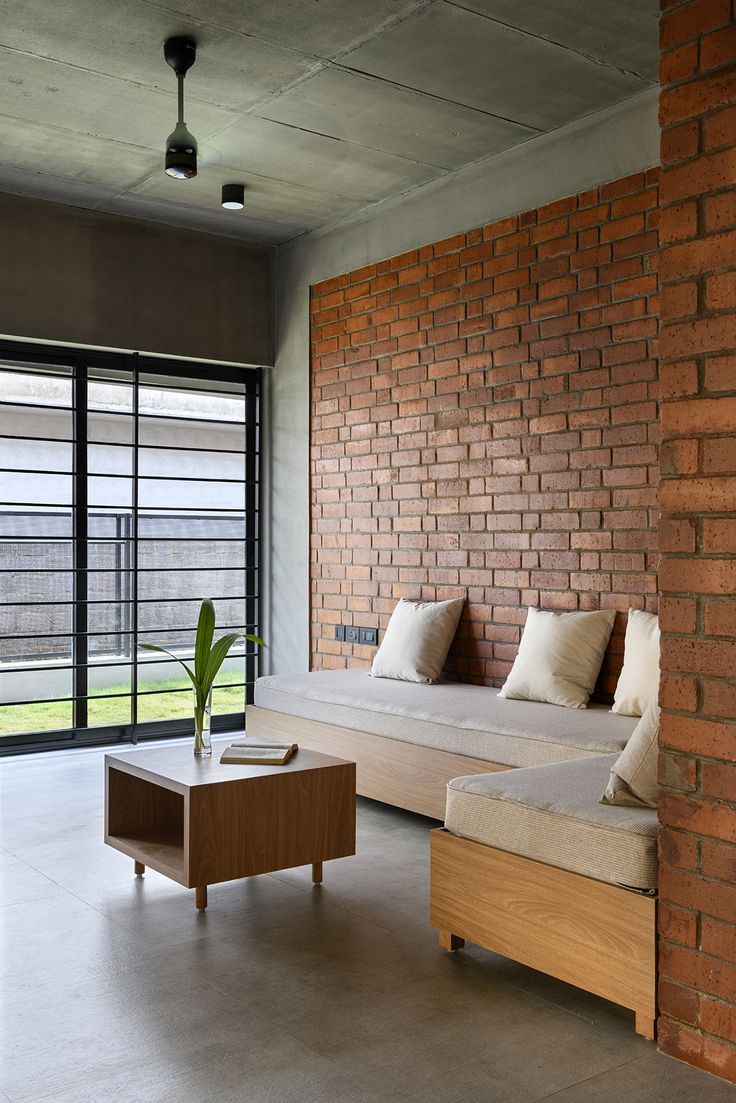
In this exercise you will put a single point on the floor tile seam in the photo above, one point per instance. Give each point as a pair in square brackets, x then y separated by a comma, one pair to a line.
[588, 1079]
[76, 896]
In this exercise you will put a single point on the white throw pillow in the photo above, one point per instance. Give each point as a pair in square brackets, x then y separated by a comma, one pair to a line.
[416, 642]
[559, 657]
[639, 679]
[633, 779]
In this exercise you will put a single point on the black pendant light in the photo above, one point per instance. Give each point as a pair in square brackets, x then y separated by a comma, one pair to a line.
[181, 146]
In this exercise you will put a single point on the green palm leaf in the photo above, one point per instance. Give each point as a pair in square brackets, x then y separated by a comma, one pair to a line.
[163, 650]
[205, 632]
[208, 658]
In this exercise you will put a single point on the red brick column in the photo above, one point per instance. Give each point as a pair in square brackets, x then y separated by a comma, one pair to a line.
[698, 534]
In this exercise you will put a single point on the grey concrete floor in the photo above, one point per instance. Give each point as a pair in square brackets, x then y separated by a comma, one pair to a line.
[116, 989]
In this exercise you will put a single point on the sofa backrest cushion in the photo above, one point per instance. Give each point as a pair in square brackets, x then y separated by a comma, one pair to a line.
[639, 679]
[416, 642]
[633, 780]
[559, 657]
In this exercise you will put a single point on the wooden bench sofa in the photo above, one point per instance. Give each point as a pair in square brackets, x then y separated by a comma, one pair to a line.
[409, 740]
[459, 753]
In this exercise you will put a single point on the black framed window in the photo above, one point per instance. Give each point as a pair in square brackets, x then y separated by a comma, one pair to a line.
[129, 493]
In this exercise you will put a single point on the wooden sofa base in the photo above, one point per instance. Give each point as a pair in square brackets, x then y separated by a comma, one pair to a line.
[596, 936]
[403, 774]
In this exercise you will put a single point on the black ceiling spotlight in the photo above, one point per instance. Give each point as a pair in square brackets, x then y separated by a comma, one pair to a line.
[181, 146]
[233, 197]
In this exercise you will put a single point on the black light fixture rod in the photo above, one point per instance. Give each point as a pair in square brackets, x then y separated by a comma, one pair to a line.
[181, 146]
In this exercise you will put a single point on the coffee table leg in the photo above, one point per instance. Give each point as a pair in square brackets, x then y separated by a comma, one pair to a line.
[200, 897]
[140, 869]
[317, 873]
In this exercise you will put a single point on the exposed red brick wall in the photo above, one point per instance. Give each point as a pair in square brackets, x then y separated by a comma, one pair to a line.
[484, 422]
[698, 535]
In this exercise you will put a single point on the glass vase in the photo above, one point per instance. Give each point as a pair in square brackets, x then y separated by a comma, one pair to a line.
[202, 735]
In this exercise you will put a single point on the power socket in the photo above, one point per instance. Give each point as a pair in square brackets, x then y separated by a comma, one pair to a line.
[347, 633]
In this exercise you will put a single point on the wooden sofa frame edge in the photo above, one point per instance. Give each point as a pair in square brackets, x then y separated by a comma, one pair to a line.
[406, 775]
[597, 936]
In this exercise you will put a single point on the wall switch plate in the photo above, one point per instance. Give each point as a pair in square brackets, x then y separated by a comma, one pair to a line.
[339, 632]
[369, 636]
[352, 635]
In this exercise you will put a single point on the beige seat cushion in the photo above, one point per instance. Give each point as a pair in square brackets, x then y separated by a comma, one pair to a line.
[459, 718]
[553, 814]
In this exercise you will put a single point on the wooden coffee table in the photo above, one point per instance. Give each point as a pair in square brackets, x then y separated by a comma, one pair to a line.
[200, 822]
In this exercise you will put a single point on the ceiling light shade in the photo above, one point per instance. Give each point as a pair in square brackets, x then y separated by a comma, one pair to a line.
[181, 146]
[233, 197]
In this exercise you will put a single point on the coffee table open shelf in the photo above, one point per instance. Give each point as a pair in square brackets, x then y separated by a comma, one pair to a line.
[199, 822]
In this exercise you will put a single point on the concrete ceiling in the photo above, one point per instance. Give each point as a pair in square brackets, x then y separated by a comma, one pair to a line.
[320, 107]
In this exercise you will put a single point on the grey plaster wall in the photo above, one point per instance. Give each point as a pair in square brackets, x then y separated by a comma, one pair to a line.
[599, 148]
[89, 278]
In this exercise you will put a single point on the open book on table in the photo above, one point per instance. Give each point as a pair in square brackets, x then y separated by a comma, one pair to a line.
[258, 752]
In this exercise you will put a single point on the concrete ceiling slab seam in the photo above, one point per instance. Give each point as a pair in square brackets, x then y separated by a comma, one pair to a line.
[618, 33]
[36, 90]
[460, 55]
[232, 70]
[304, 157]
[28, 147]
[377, 114]
[322, 28]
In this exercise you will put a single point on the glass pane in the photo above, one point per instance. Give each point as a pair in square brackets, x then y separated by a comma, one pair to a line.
[34, 620]
[179, 462]
[187, 434]
[37, 386]
[35, 455]
[110, 492]
[109, 459]
[33, 649]
[113, 395]
[191, 553]
[36, 575]
[49, 716]
[194, 526]
[110, 428]
[38, 586]
[166, 397]
[190, 494]
[109, 695]
[34, 681]
[111, 525]
[104, 710]
[109, 616]
[36, 524]
[164, 706]
[28, 489]
[161, 615]
[173, 584]
[40, 424]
